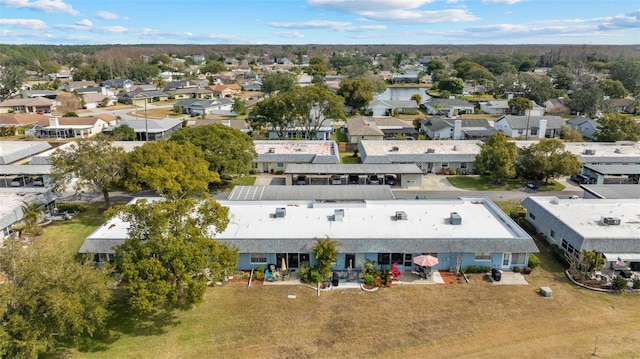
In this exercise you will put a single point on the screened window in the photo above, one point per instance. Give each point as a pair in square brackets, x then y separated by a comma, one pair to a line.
[518, 259]
[258, 258]
[483, 256]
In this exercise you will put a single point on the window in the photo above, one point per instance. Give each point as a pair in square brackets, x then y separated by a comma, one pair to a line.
[532, 216]
[279, 164]
[445, 164]
[570, 249]
[553, 234]
[534, 132]
[258, 258]
[408, 262]
[463, 164]
[564, 244]
[518, 259]
[483, 256]
[384, 258]
[396, 258]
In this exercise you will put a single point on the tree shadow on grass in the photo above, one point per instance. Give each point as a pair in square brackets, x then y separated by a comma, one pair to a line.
[125, 321]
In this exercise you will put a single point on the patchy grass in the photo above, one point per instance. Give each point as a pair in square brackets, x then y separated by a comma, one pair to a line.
[483, 183]
[156, 113]
[338, 136]
[347, 158]
[67, 236]
[552, 186]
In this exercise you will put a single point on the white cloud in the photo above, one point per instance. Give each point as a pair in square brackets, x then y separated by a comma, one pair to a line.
[423, 17]
[42, 5]
[84, 22]
[107, 15]
[358, 6]
[508, 2]
[33, 24]
[290, 34]
[324, 24]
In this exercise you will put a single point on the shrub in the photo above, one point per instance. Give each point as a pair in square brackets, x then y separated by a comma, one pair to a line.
[560, 255]
[368, 280]
[636, 283]
[516, 269]
[279, 172]
[527, 270]
[252, 171]
[619, 284]
[72, 207]
[478, 269]
[534, 261]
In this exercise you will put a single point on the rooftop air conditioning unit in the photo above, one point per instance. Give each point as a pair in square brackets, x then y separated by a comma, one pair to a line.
[589, 152]
[401, 215]
[272, 150]
[281, 212]
[455, 218]
[431, 150]
[338, 215]
[395, 148]
[611, 221]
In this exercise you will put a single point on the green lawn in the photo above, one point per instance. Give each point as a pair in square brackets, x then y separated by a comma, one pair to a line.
[483, 183]
[347, 158]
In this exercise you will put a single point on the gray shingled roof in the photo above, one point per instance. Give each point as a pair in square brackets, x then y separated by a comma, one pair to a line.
[520, 122]
[397, 168]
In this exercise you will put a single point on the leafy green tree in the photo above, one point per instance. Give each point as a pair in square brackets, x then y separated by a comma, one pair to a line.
[168, 250]
[570, 134]
[520, 105]
[537, 88]
[143, 73]
[97, 165]
[239, 106]
[417, 98]
[616, 127]
[547, 160]
[47, 300]
[213, 67]
[228, 151]
[70, 114]
[31, 214]
[497, 157]
[627, 72]
[435, 65]
[561, 77]
[278, 82]
[310, 106]
[317, 69]
[326, 252]
[11, 81]
[171, 169]
[271, 113]
[357, 93]
[586, 101]
[613, 88]
[124, 133]
[451, 84]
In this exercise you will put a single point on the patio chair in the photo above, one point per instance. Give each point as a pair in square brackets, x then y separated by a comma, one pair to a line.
[269, 276]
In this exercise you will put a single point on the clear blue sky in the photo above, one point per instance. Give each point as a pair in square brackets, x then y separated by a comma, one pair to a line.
[455, 22]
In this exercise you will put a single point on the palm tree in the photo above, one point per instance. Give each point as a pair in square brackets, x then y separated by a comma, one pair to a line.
[31, 212]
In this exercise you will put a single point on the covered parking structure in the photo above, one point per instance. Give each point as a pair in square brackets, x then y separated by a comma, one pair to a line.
[613, 174]
[404, 175]
[9, 172]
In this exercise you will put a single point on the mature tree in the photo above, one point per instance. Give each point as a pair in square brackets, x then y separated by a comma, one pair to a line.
[612, 88]
[46, 300]
[497, 157]
[520, 105]
[378, 84]
[97, 165]
[228, 151]
[570, 134]
[239, 106]
[171, 169]
[537, 88]
[124, 133]
[561, 77]
[435, 65]
[143, 73]
[547, 160]
[168, 250]
[11, 81]
[586, 101]
[451, 84]
[271, 113]
[617, 127]
[357, 93]
[439, 75]
[31, 215]
[326, 252]
[310, 106]
[627, 72]
[317, 69]
[278, 82]
[213, 67]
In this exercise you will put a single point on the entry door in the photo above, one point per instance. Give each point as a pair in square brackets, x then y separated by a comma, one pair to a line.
[506, 260]
[349, 260]
[293, 260]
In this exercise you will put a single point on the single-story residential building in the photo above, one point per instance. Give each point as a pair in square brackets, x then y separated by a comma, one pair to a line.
[95, 100]
[587, 126]
[448, 107]
[379, 107]
[462, 232]
[372, 128]
[192, 92]
[27, 105]
[611, 191]
[124, 84]
[72, 86]
[20, 119]
[15, 152]
[71, 127]
[154, 129]
[274, 155]
[556, 106]
[322, 133]
[199, 107]
[229, 90]
[457, 129]
[623, 105]
[140, 97]
[238, 124]
[495, 107]
[11, 209]
[609, 226]
[529, 126]
[430, 156]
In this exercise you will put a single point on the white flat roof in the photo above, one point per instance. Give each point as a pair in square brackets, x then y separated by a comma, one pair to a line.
[10, 201]
[322, 148]
[386, 147]
[584, 215]
[43, 158]
[622, 149]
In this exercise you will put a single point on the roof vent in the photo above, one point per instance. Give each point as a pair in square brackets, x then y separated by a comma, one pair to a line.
[394, 149]
[281, 212]
[338, 215]
[272, 150]
[618, 150]
[401, 215]
[455, 148]
[611, 221]
[455, 218]
[431, 150]
[589, 152]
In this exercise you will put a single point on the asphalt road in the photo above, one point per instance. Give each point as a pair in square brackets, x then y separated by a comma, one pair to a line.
[514, 195]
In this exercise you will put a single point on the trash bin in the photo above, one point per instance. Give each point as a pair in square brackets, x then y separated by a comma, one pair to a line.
[336, 279]
[496, 274]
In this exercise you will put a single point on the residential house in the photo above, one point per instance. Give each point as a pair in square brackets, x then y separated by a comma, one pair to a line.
[274, 155]
[557, 107]
[495, 107]
[252, 86]
[240, 125]
[608, 226]
[17, 120]
[72, 86]
[151, 129]
[379, 107]
[587, 127]
[12, 205]
[300, 133]
[284, 61]
[457, 129]
[96, 100]
[199, 107]
[226, 90]
[192, 92]
[123, 84]
[529, 126]
[139, 98]
[372, 128]
[17, 152]
[448, 107]
[462, 232]
[51, 95]
[623, 105]
[71, 127]
[28, 105]
[199, 59]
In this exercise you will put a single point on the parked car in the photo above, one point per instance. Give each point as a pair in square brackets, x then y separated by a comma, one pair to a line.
[336, 180]
[301, 180]
[38, 181]
[581, 179]
[21, 181]
[373, 179]
[421, 197]
[533, 186]
[354, 179]
[390, 180]
[574, 197]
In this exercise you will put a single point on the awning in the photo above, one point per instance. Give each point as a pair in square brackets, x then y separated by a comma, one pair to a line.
[626, 257]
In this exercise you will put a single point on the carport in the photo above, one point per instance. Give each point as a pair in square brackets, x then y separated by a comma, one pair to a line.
[406, 175]
[613, 174]
[8, 172]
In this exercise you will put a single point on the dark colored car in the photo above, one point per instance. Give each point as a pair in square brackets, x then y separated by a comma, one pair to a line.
[421, 197]
[38, 181]
[390, 180]
[354, 179]
[373, 179]
[301, 180]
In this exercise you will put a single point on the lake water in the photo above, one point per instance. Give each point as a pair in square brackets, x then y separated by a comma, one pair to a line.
[402, 93]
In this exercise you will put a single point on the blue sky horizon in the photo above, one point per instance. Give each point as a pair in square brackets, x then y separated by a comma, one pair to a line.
[339, 22]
